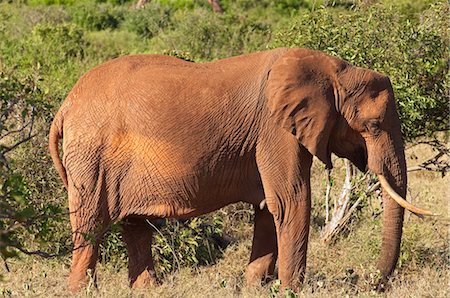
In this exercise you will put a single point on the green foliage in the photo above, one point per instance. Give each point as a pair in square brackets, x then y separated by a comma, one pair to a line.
[21, 105]
[65, 41]
[51, 2]
[183, 4]
[186, 244]
[97, 17]
[274, 291]
[148, 21]
[113, 250]
[284, 7]
[207, 36]
[411, 52]
[75, 2]
[115, 2]
[176, 244]
[45, 49]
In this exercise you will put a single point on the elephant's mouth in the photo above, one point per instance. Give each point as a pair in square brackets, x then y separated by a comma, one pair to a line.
[361, 159]
[358, 157]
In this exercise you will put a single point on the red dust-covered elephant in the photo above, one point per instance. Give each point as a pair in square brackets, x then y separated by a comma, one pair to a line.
[148, 137]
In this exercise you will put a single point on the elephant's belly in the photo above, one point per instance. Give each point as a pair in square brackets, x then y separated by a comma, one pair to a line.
[169, 184]
[188, 197]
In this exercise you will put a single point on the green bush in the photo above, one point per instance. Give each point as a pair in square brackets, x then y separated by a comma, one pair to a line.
[186, 244]
[411, 52]
[112, 250]
[23, 218]
[207, 36]
[183, 4]
[64, 41]
[97, 17]
[148, 21]
[176, 244]
[50, 2]
[285, 7]
[115, 2]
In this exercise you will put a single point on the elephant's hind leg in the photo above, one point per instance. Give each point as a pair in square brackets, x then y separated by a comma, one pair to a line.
[137, 234]
[83, 262]
[264, 248]
[87, 232]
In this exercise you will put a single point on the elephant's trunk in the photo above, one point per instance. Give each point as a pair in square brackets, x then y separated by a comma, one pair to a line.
[392, 226]
[387, 159]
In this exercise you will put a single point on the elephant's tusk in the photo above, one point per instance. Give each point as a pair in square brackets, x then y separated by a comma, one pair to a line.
[262, 204]
[402, 202]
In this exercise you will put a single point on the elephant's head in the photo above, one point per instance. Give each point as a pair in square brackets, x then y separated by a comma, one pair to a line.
[334, 107]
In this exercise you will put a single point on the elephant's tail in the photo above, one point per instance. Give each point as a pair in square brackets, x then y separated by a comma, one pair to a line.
[56, 133]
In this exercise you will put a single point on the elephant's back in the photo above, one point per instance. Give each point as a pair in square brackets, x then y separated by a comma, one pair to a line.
[167, 82]
[169, 99]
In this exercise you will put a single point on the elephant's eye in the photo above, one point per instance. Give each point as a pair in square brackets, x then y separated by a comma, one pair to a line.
[373, 126]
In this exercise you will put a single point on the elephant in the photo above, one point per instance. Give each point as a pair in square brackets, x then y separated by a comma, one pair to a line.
[147, 137]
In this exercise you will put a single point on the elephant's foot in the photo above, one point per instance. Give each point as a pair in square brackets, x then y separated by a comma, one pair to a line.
[75, 284]
[260, 270]
[145, 279]
[294, 281]
[82, 272]
[80, 280]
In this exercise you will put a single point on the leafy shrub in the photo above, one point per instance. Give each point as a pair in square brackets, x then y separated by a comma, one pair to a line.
[189, 243]
[282, 7]
[176, 244]
[74, 2]
[112, 250]
[65, 41]
[115, 2]
[148, 21]
[183, 4]
[289, 5]
[411, 52]
[207, 36]
[105, 45]
[51, 2]
[97, 17]
[198, 32]
[22, 218]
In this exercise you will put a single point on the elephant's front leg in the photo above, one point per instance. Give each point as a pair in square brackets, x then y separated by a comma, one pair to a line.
[285, 175]
[264, 247]
[137, 234]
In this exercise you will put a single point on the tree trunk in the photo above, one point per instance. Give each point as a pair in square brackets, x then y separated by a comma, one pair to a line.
[141, 3]
[216, 6]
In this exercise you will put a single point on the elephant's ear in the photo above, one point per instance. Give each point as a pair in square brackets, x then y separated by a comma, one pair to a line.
[300, 93]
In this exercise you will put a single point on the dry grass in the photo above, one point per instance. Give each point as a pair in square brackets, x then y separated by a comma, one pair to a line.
[345, 268]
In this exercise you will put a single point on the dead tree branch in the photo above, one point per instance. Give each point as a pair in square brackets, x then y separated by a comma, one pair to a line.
[436, 163]
[17, 144]
[440, 162]
[340, 207]
[11, 132]
[343, 209]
